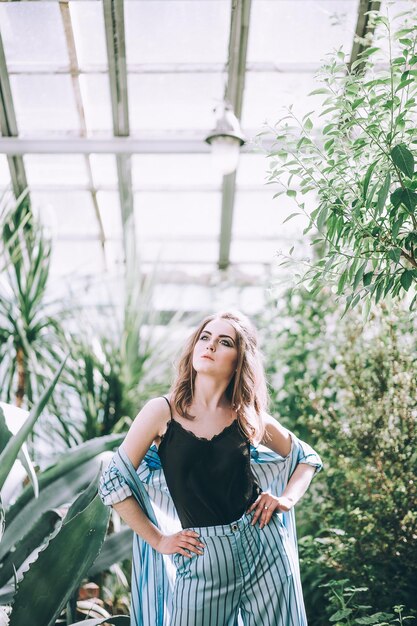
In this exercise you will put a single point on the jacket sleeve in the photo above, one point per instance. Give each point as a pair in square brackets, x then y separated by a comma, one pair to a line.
[113, 487]
[306, 454]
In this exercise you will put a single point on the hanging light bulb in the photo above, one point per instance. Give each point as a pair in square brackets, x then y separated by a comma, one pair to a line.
[226, 139]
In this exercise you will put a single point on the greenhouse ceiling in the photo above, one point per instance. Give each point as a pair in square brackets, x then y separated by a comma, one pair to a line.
[105, 106]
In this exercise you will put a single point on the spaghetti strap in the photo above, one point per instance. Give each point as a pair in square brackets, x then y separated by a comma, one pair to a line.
[170, 410]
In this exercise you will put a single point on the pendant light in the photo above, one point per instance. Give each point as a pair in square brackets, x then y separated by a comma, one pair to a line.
[225, 139]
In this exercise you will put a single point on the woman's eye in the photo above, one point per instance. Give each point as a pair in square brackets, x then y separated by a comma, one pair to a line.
[223, 341]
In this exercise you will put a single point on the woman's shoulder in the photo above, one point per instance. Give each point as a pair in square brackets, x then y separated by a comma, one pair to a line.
[160, 410]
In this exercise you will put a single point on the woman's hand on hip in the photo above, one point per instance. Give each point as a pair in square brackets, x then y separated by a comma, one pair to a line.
[266, 504]
[180, 542]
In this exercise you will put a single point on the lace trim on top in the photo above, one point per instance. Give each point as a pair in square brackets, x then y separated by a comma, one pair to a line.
[190, 432]
[222, 432]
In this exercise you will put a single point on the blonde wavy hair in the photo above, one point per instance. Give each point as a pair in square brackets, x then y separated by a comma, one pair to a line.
[247, 390]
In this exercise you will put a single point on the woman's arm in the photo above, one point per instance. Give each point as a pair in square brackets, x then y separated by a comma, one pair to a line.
[279, 439]
[149, 424]
[276, 437]
[297, 485]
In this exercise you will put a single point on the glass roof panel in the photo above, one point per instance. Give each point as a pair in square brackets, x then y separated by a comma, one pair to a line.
[176, 57]
[4, 171]
[189, 251]
[182, 215]
[44, 103]
[299, 32]
[95, 92]
[182, 31]
[77, 257]
[33, 35]
[104, 170]
[259, 251]
[173, 101]
[252, 171]
[46, 170]
[68, 214]
[174, 170]
[180, 270]
[89, 33]
[258, 215]
[182, 297]
[268, 94]
[109, 205]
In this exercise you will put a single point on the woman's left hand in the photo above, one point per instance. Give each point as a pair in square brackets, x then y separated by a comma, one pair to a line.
[265, 505]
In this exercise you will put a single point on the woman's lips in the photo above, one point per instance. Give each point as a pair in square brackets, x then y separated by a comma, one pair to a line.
[206, 356]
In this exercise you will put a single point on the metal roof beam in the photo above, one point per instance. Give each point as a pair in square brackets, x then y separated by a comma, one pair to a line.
[8, 127]
[113, 145]
[75, 80]
[116, 53]
[363, 28]
[238, 45]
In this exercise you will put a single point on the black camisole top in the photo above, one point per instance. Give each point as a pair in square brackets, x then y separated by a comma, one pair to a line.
[210, 480]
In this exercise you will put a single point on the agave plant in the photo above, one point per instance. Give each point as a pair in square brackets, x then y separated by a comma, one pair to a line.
[54, 529]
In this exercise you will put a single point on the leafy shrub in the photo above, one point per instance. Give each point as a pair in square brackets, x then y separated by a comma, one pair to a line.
[351, 391]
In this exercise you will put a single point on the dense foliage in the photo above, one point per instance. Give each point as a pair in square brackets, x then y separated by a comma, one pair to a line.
[351, 391]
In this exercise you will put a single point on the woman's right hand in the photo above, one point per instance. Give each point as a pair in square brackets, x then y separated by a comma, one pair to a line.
[180, 542]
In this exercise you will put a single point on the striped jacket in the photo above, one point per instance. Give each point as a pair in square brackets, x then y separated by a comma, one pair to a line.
[153, 574]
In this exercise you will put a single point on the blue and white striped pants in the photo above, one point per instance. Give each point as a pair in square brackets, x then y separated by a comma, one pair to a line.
[244, 568]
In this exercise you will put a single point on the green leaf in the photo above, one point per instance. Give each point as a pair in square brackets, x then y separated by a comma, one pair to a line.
[341, 614]
[403, 159]
[322, 90]
[308, 124]
[79, 457]
[60, 567]
[116, 548]
[42, 527]
[369, 51]
[287, 219]
[5, 434]
[395, 255]
[291, 193]
[404, 83]
[368, 178]
[367, 278]
[359, 275]
[322, 217]
[342, 281]
[378, 291]
[396, 226]
[383, 193]
[374, 619]
[406, 279]
[409, 199]
[11, 451]
[396, 197]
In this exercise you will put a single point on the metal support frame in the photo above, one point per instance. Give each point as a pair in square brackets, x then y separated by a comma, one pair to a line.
[8, 127]
[362, 28]
[238, 44]
[75, 74]
[116, 53]
[112, 145]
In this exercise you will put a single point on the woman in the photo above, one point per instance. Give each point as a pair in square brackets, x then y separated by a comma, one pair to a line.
[208, 458]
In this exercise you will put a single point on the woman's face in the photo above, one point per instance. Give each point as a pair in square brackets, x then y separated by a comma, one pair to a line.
[215, 352]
